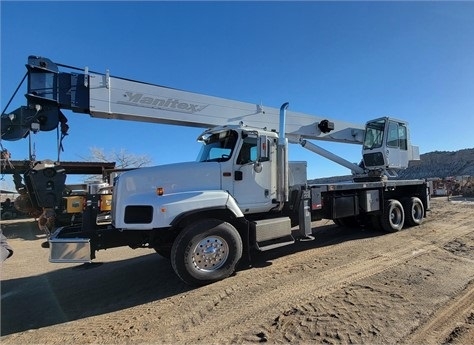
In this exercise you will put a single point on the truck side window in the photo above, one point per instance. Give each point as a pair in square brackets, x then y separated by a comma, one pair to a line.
[248, 151]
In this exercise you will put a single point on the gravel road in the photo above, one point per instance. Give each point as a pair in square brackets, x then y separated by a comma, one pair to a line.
[347, 286]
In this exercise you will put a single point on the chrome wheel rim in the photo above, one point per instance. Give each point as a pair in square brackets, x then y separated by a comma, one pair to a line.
[210, 254]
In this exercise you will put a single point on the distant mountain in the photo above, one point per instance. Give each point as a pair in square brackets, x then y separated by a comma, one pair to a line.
[437, 164]
[441, 164]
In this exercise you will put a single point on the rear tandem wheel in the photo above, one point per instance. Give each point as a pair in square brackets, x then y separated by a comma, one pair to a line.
[414, 211]
[393, 216]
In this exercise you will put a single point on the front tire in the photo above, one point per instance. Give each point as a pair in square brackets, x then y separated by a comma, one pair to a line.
[206, 251]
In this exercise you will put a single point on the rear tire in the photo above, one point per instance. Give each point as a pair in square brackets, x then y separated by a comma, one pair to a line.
[414, 211]
[393, 216]
[206, 251]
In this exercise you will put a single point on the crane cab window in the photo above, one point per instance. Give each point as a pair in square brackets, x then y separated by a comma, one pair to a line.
[397, 135]
[374, 134]
[403, 137]
[392, 138]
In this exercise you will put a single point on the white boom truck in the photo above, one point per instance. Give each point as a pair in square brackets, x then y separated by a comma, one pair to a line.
[241, 195]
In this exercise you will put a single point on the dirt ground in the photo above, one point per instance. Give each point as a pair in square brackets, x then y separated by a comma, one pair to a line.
[348, 286]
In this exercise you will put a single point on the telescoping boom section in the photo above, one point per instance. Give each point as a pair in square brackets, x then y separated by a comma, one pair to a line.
[104, 96]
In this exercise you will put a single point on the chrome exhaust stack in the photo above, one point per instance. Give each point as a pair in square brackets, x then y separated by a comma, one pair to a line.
[282, 159]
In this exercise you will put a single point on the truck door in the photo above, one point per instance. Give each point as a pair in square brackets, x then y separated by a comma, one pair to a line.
[254, 179]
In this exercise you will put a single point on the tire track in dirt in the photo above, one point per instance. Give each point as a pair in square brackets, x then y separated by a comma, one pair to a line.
[339, 276]
[197, 307]
[280, 286]
[444, 321]
[307, 289]
[198, 310]
[378, 310]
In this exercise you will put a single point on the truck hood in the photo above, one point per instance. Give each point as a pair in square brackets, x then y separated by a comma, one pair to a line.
[173, 178]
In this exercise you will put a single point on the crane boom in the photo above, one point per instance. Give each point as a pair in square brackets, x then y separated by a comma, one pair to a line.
[51, 90]
[104, 96]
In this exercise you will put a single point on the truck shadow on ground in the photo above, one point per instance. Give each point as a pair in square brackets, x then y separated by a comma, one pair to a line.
[324, 235]
[69, 294]
[86, 290]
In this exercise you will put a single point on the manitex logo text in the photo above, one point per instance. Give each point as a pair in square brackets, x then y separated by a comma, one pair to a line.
[172, 104]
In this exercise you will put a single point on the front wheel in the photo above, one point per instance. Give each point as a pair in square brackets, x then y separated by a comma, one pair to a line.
[206, 251]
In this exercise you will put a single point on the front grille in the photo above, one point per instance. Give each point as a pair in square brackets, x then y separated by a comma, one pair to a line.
[138, 214]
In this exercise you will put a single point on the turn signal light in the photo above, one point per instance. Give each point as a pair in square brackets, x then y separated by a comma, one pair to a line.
[160, 191]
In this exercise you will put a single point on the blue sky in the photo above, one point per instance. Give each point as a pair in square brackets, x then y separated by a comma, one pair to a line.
[348, 61]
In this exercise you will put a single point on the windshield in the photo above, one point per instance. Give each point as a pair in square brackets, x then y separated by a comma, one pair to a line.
[217, 147]
[374, 134]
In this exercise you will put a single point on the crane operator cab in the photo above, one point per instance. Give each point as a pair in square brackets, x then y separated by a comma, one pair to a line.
[387, 146]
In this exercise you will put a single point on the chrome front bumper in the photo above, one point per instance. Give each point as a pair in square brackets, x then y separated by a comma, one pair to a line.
[69, 250]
